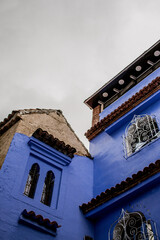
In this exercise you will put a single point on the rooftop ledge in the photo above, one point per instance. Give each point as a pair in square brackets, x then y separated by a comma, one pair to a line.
[127, 78]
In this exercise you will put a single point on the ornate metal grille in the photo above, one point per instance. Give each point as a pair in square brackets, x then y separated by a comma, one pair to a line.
[48, 188]
[141, 130]
[32, 180]
[133, 226]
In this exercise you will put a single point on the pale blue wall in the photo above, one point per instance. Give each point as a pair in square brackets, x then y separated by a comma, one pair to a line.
[75, 187]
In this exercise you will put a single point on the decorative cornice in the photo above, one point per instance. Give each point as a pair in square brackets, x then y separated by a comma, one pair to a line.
[124, 108]
[122, 187]
[53, 142]
[131, 75]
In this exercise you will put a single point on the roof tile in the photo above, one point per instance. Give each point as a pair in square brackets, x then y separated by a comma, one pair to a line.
[103, 197]
[125, 107]
[49, 139]
[40, 220]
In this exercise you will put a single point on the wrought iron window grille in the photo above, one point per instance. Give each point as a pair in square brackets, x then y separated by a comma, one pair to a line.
[133, 226]
[141, 131]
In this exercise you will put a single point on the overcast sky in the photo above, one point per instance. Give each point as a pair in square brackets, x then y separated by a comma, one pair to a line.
[56, 53]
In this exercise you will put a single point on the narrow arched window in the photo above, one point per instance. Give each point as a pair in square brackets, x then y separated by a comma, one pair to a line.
[32, 180]
[140, 131]
[48, 188]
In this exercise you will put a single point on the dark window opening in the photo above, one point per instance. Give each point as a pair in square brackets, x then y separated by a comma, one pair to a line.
[48, 188]
[88, 238]
[32, 180]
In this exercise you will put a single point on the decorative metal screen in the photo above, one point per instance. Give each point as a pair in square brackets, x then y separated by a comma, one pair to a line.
[133, 226]
[141, 130]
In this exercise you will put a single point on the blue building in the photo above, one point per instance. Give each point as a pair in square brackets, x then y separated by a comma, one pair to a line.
[52, 188]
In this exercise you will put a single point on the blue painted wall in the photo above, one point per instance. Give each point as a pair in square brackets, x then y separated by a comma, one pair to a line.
[79, 181]
[110, 165]
[75, 184]
[145, 200]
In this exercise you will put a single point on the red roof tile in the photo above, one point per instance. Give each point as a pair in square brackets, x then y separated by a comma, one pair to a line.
[40, 220]
[137, 178]
[50, 140]
[132, 102]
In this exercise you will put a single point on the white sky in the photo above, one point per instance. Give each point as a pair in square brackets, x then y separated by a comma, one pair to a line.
[56, 53]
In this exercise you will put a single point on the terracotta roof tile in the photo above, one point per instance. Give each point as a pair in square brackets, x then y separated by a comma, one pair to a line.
[40, 220]
[132, 102]
[49, 139]
[137, 178]
[9, 122]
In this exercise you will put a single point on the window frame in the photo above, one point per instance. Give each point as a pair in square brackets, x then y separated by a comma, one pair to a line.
[48, 158]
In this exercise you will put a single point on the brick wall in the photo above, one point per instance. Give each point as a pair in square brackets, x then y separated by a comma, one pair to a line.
[95, 116]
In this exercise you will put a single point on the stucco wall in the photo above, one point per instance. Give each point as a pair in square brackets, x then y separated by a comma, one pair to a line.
[110, 165]
[145, 201]
[75, 187]
[55, 124]
[51, 121]
[5, 141]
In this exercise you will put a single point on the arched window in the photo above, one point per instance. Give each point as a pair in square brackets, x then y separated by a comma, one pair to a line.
[48, 188]
[130, 226]
[141, 130]
[133, 226]
[32, 180]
